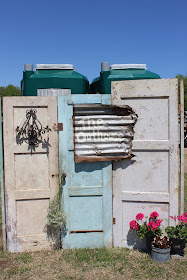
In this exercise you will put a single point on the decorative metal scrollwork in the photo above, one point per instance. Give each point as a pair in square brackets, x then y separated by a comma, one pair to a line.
[31, 131]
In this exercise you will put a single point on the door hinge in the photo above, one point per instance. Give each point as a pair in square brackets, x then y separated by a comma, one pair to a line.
[114, 221]
[58, 127]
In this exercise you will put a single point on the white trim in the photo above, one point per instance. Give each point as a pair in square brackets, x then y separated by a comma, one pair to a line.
[128, 66]
[55, 66]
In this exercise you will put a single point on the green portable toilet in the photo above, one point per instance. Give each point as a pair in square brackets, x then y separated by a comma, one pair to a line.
[52, 76]
[119, 72]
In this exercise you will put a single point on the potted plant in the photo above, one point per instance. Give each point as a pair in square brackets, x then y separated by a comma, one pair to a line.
[178, 234]
[160, 249]
[147, 228]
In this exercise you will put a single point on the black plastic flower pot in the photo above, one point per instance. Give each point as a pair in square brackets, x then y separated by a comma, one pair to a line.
[178, 246]
[148, 241]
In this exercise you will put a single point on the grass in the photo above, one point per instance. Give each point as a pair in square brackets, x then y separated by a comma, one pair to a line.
[116, 263]
[103, 263]
[97, 258]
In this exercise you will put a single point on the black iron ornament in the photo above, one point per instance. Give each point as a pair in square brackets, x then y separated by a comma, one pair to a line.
[31, 131]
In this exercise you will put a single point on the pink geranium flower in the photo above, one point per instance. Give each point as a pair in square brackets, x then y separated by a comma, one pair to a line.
[159, 222]
[154, 215]
[139, 216]
[185, 214]
[149, 225]
[179, 218]
[134, 225]
[184, 217]
[152, 226]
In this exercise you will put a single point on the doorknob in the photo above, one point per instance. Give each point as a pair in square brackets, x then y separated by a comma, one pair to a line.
[64, 175]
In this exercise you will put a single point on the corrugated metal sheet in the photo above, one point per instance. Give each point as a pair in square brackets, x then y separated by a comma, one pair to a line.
[52, 91]
[103, 132]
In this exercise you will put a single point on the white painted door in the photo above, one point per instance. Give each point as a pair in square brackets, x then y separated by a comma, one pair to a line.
[31, 173]
[148, 182]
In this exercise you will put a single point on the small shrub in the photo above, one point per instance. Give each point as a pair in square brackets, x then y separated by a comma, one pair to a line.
[56, 217]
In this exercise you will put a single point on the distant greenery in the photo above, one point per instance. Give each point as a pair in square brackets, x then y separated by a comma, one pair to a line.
[179, 76]
[10, 90]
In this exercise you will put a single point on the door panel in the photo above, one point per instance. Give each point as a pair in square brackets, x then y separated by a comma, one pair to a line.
[148, 182]
[30, 183]
[87, 189]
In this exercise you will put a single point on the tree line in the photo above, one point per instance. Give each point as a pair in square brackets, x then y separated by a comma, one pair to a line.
[184, 77]
[10, 90]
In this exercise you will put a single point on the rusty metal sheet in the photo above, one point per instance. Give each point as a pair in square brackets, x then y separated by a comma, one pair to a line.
[103, 132]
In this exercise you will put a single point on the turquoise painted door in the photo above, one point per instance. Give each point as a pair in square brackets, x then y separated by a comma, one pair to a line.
[87, 188]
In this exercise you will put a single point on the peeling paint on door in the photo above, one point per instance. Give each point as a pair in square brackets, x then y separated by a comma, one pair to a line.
[29, 184]
[148, 182]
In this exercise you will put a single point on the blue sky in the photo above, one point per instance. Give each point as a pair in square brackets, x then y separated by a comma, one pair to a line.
[85, 33]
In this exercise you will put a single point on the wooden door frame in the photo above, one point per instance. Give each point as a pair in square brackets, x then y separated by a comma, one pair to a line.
[2, 179]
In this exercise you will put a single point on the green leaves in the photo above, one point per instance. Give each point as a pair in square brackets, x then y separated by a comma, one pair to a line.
[10, 90]
[179, 231]
[56, 217]
[143, 232]
[184, 77]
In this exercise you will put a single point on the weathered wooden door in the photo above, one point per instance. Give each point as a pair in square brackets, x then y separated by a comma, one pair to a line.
[31, 172]
[148, 182]
[87, 189]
